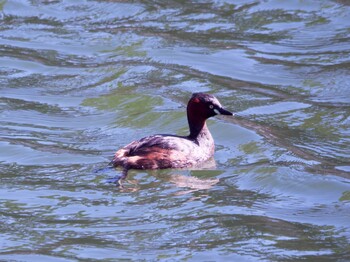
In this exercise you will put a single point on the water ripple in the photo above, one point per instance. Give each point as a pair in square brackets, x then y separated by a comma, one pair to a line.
[80, 79]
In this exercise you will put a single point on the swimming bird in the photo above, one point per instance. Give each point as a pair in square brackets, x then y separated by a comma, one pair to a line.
[171, 151]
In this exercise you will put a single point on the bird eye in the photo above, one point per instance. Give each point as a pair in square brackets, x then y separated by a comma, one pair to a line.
[211, 106]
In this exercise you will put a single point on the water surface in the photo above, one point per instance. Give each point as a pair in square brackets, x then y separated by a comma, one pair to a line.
[80, 79]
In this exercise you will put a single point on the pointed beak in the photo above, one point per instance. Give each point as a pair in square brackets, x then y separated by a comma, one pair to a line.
[223, 111]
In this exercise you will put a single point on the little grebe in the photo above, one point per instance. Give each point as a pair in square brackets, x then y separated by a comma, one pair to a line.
[171, 151]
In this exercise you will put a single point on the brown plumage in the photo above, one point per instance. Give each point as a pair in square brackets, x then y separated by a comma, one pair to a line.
[170, 151]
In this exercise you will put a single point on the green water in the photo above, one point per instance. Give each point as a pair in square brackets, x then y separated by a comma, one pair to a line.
[80, 79]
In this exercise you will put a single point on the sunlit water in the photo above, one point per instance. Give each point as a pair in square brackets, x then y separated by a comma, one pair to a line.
[79, 79]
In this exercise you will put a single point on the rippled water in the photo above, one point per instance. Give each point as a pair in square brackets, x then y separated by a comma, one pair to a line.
[81, 78]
